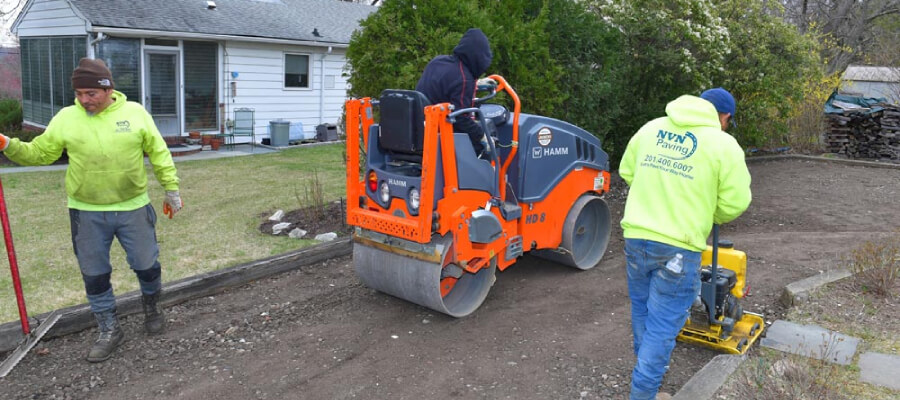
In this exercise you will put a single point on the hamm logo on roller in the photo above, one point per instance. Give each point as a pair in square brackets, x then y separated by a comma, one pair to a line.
[685, 145]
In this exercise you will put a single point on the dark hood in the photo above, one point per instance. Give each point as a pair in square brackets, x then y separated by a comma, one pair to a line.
[474, 51]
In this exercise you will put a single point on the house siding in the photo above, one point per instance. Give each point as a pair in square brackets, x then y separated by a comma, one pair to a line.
[260, 85]
[50, 18]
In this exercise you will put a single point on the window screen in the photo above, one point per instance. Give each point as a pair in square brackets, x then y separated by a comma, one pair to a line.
[123, 57]
[200, 72]
[296, 71]
[65, 54]
[163, 81]
[47, 65]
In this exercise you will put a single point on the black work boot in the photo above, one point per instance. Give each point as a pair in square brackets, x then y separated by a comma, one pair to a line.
[111, 335]
[154, 320]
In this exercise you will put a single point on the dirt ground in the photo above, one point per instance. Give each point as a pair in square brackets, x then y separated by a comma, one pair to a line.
[545, 331]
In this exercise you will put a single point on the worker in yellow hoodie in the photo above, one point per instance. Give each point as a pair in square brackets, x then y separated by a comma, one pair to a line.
[685, 173]
[106, 137]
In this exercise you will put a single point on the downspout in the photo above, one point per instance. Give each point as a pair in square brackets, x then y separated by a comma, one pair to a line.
[322, 86]
[100, 37]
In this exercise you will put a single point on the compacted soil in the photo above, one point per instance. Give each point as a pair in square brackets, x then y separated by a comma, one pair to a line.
[545, 331]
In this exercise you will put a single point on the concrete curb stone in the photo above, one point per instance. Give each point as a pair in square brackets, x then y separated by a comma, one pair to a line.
[796, 293]
[707, 381]
[880, 369]
[811, 341]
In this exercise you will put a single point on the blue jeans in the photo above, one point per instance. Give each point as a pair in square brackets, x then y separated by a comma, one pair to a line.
[660, 302]
[92, 236]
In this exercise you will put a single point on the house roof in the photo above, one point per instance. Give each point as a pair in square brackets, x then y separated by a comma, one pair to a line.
[333, 20]
[871, 74]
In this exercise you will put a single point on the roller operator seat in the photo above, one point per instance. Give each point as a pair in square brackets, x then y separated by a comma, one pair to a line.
[402, 123]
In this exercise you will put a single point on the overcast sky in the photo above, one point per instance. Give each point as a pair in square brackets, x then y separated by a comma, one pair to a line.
[9, 10]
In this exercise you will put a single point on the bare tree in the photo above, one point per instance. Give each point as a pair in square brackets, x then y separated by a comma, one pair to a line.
[9, 9]
[855, 28]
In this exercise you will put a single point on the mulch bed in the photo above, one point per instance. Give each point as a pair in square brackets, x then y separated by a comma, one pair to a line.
[330, 218]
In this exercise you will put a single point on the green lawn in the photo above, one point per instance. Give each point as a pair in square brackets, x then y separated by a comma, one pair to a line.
[225, 201]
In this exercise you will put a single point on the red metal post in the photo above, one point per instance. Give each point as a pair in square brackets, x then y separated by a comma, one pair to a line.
[13, 266]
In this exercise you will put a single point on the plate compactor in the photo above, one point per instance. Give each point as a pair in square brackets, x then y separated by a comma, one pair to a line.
[730, 329]
[434, 221]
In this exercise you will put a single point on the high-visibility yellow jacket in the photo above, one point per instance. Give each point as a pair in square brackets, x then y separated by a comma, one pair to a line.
[684, 173]
[106, 155]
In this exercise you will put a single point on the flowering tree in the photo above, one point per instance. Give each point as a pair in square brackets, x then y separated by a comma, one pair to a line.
[672, 47]
[768, 69]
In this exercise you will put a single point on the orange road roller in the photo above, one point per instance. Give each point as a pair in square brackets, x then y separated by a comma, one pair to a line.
[433, 221]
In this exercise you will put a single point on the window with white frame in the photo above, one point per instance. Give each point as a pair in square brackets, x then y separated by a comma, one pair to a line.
[296, 71]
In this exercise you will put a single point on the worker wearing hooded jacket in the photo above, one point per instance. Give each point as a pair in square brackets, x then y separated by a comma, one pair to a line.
[106, 137]
[685, 173]
[452, 79]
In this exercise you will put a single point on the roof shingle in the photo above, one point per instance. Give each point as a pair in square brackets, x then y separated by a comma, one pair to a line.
[334, 20]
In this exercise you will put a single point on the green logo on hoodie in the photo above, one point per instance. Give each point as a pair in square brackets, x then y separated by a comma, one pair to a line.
[123, 126]
[678, 143]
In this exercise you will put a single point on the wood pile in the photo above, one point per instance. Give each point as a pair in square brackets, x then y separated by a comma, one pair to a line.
[859, 133]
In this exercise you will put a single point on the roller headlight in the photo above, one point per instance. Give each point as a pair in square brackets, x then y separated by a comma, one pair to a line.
[385, 193]
[414, 199]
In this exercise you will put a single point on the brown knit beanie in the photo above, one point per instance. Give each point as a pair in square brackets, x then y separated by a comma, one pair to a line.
[91, 74]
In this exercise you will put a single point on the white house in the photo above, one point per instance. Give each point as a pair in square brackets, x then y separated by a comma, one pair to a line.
[192, 63]
[870, 81]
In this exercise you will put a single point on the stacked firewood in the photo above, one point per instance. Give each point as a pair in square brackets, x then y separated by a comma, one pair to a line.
[859, 134]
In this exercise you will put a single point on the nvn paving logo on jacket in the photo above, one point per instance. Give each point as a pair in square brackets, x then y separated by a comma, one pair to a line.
[679, 143]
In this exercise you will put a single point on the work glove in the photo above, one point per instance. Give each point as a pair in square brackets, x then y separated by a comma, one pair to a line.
[172, 203]
[4, 142]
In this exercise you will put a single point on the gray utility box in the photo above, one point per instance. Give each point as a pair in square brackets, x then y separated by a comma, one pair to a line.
[326, 132]
[280, 133]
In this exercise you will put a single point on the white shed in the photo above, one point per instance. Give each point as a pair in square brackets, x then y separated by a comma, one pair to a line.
[870, 81]
[192, 63]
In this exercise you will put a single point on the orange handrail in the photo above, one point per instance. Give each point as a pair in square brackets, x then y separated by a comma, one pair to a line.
[351, 130]
[514, 144]
[367, 119]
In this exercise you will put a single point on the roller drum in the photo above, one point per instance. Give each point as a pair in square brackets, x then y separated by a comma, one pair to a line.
[585, 234]
[419, 281]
